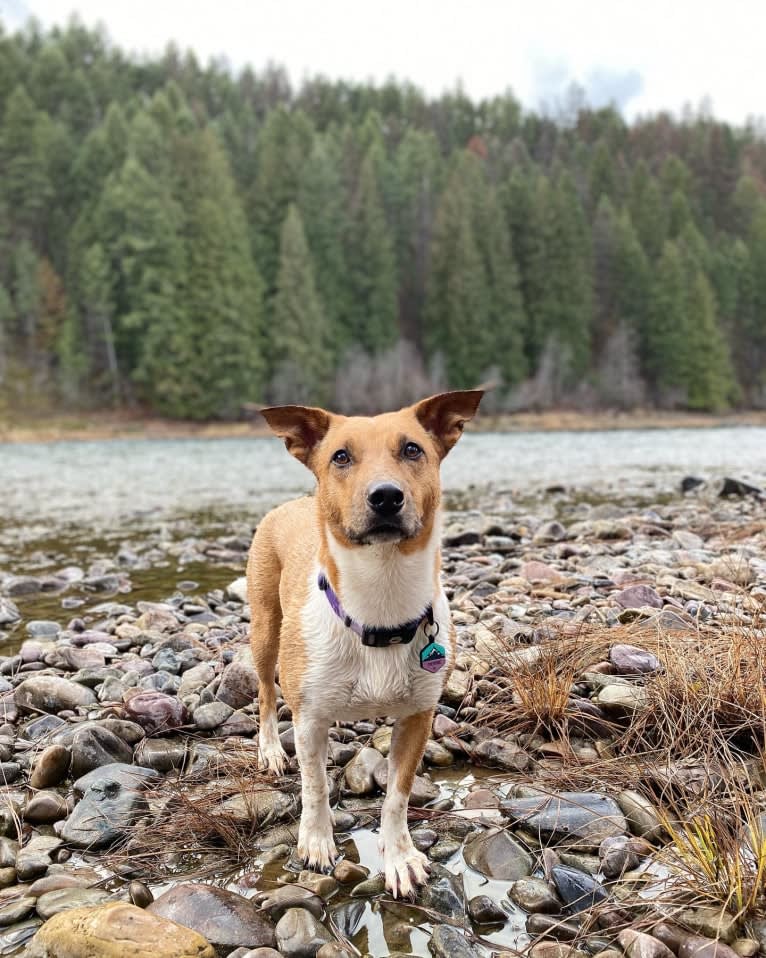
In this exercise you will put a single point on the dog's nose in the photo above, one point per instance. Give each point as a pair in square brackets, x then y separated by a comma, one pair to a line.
[385, 498]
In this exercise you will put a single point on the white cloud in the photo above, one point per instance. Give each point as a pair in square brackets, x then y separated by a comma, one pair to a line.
[657, 54]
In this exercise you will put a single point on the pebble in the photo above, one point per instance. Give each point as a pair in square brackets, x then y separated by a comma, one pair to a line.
[300, 935]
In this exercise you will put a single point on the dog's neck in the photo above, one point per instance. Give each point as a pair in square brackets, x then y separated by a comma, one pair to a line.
[382, 584]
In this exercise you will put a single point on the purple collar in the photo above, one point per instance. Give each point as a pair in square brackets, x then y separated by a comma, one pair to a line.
[373, 636]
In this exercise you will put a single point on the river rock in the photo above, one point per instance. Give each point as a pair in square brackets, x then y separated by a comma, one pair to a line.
[444, 893]
[578, 890]
[358, 773]
[584, 817]
[34, 859]
[53, 902]
[535, 895]
[239, 682]
[486, 911]
[447, 942]
[695, 946]
[621, 698]
[276, 901]
[161, 754]
[630, 660]
[50, 767]
[15, 909]
[641, 815]
[300, 935]
[423, 789]
[501, 753]
[97, 746]
[638, 597]
[226, 919]
[9, 612]
[617, 855]
[496, 855]
[51, 693]
[45, 807]
[156, 711]
[211, 715]
[132, 777]
[116, 930]
[709, 922]
[637, 944]
[105, 812]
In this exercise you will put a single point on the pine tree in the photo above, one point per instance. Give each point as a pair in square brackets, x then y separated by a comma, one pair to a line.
[666, 331]
[98, 307]
[205, 358]
[371, 264]
[705, 361]
[302, 338]
[323, 209]
[24, 179]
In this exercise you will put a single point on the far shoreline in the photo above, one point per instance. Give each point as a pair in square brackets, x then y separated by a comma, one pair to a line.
[124, 425]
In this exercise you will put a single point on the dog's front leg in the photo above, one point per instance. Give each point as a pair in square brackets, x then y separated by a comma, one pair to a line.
[316, 845]
[406, 868]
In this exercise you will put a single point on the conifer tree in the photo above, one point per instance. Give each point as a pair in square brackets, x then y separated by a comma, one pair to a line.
[301, 338]
[24, 178]
[371, 265]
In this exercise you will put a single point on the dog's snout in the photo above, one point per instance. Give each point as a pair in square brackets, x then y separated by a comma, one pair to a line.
[385, 498]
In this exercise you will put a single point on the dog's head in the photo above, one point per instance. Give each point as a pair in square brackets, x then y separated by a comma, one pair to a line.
[378, 477]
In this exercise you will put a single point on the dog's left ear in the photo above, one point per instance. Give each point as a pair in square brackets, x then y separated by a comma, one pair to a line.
[301, 427]
[444, 415]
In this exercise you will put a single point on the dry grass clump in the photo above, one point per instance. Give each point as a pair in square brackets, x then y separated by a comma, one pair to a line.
[535, 686]
[206, 823]
[709, 695]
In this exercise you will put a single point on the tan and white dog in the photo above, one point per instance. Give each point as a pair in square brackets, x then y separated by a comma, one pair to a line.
[344, 590]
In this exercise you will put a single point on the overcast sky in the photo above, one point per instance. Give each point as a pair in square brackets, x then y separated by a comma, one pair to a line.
[645, 55]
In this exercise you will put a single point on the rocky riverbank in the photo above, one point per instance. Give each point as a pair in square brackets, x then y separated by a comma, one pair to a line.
[598, 744]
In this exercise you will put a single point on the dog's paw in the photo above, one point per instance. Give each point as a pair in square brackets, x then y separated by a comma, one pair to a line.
[273, 758]
[406, 870]
[317, 851]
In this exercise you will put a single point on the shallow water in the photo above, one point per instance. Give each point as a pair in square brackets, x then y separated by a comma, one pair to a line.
[108, 485]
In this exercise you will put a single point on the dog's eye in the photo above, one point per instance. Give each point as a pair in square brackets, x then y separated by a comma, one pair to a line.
[412, 450]
[341, 458]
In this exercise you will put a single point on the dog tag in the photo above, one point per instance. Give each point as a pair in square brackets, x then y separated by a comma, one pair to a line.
[433, 657]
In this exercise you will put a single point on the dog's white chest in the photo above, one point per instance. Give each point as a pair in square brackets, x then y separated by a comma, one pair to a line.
[346, 680]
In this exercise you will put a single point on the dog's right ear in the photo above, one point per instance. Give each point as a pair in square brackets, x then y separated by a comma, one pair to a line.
[301, 427]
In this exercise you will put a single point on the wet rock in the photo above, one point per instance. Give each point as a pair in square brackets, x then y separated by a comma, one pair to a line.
[260, 808]
[277, 901]
[350, 873]
[369, 887]
[550, 926]
[239, 682]
[438, 755]
[140, 895]
[496, 855]
[17, 935]
[535, 895]
[300, 935]
[9, 849]
[359, 771]
[444, 893]
[9, 772]
[62, 899]
[332, 949]
[225, 919]
[557, 949]
[641, 815]
[9, 612]
[423, 789]
[578, 890]
[689, 483]
[448, 942]
[34, 859]
[51, 767]
[45, 807]
[115, 930]
[589, 818]
[637, 944]
[551, 531]
[617, 856]
[105, 812]
[486, 911]
[43, 629]
[157, 712]
[51, 693]
[132, 777]
[17, 585]
[630, 660]
[500, 753]
[95, 747]
[16, 909]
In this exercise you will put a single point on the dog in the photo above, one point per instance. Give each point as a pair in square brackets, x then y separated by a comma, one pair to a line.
[345, 592]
